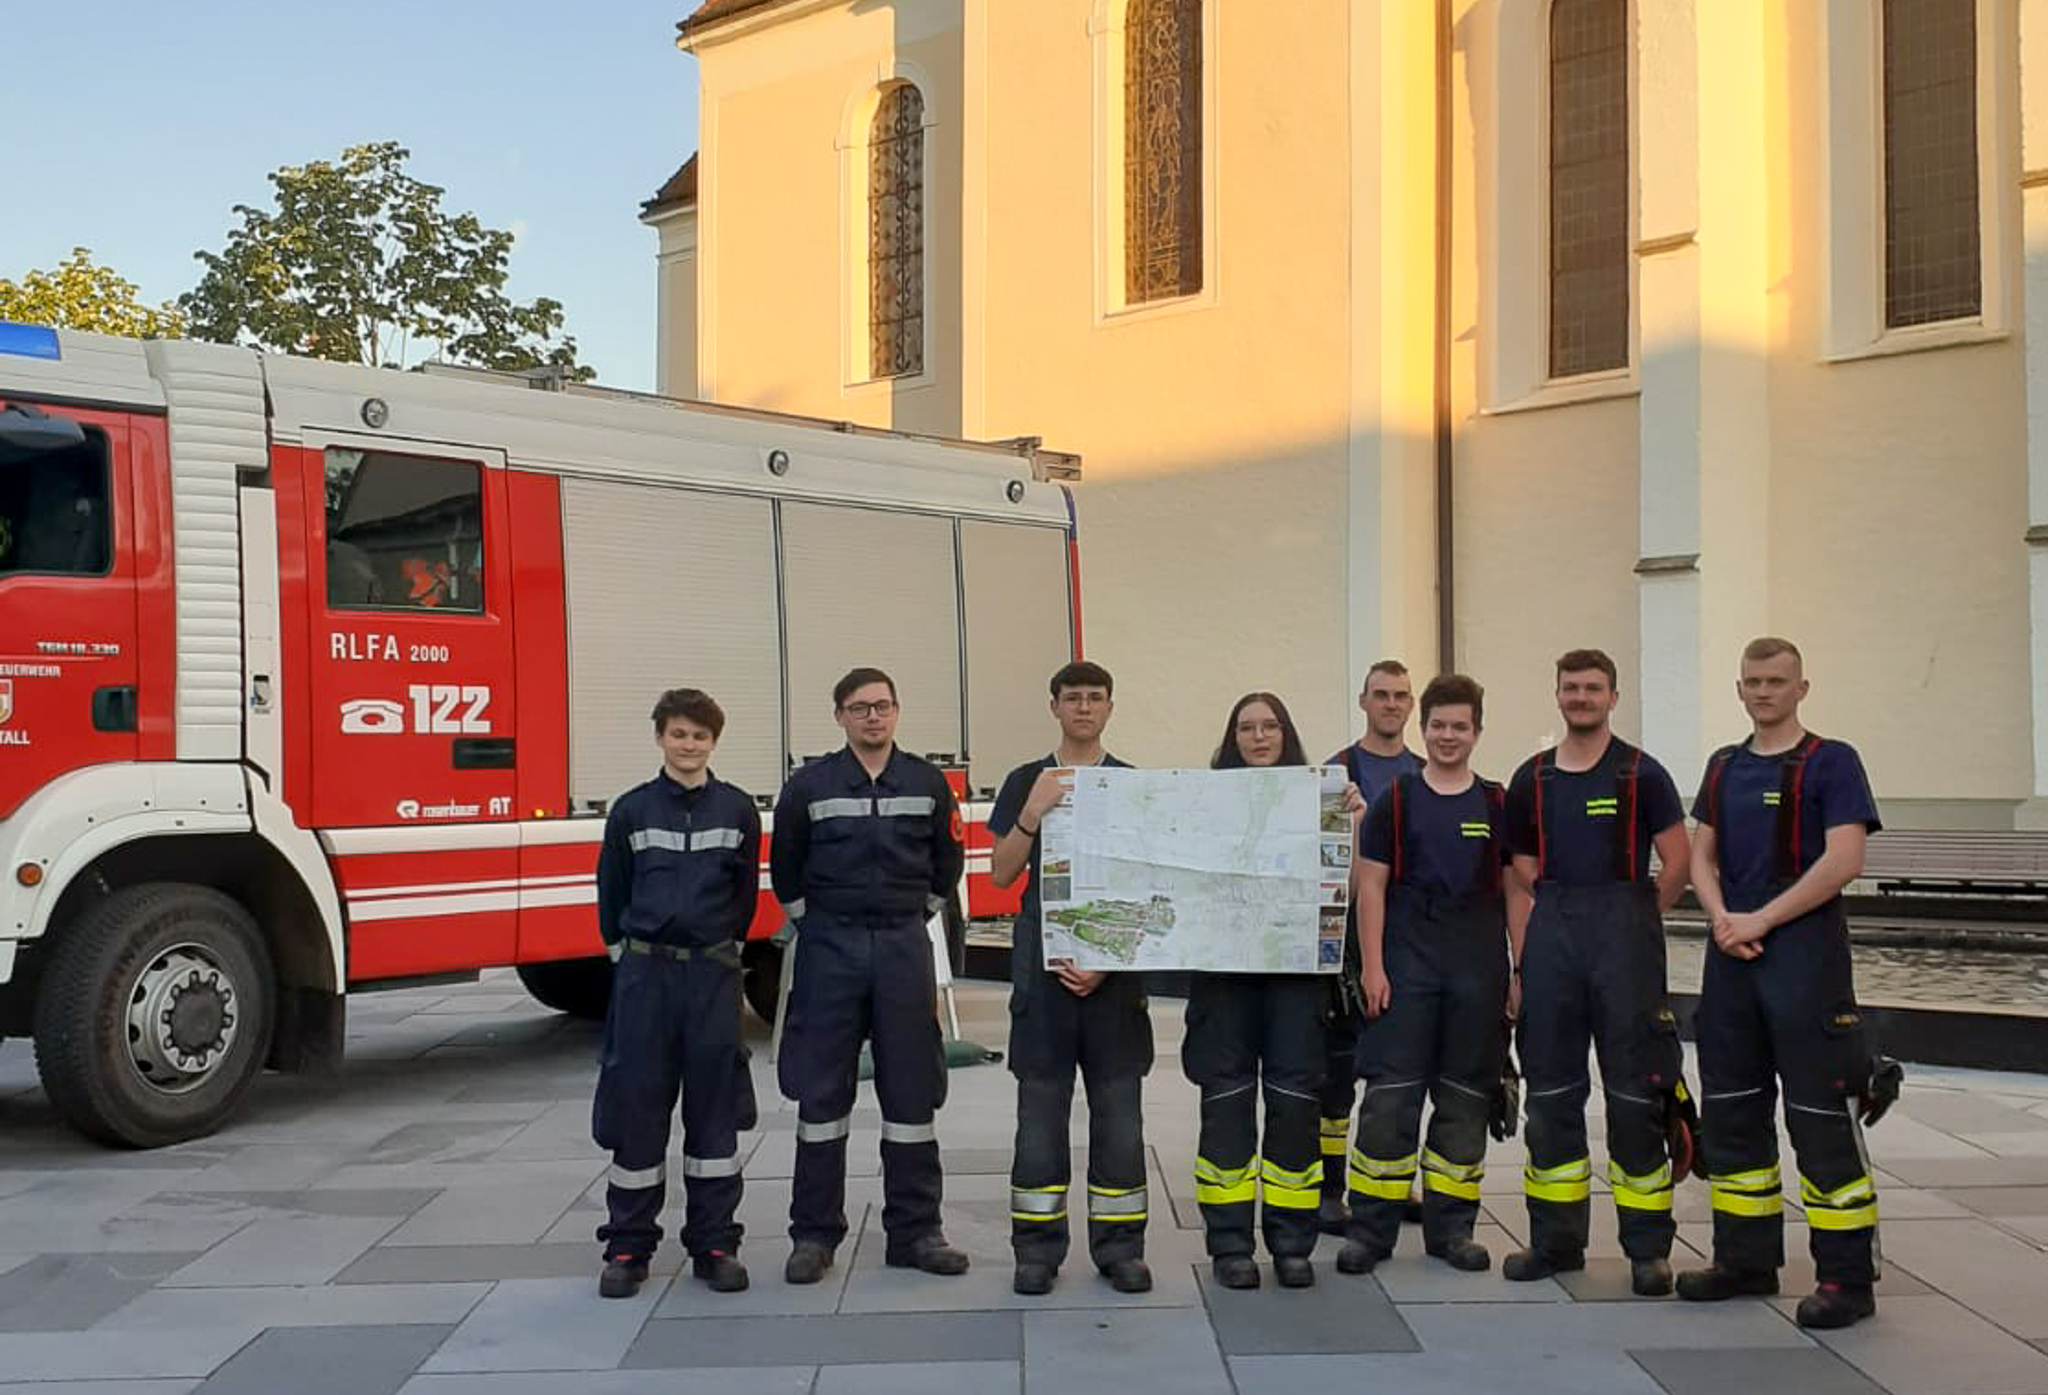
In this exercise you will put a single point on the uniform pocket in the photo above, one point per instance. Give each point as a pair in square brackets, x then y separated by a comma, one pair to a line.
[1845, 1048]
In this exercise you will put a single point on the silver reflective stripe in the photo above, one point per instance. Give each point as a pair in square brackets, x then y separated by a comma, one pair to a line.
[909, 1133]
[822, 809]
[794, 910]
[666, 839]
[1040, 1203]
[727, 1166]
[704, 840]
[1128, 1204]
[914, 805]
[634, 1179]
[828, 1131]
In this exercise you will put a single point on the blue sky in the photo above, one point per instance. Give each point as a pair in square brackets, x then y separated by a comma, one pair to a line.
[134, 127]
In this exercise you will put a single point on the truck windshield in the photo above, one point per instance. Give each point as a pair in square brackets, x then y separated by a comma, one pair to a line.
[54, 516]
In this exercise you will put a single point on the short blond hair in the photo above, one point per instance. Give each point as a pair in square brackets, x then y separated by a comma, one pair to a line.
[1770, 647]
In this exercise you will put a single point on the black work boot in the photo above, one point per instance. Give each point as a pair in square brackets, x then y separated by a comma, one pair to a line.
[1527, 1266]
[1334, 1216]
[1128, 1275]
[622, 1277]
[1235, 1271]
[1718, 1282]
[1294, 1271]
[1357, 1257]
[1463, 1253]
[1836, 1305]
[931, 1254]
[1033, 1279]
[807, 1263]
[723, 1272]
[1650, 1278]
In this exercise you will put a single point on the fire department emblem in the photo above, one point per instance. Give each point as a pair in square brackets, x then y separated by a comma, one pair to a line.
[6, 700]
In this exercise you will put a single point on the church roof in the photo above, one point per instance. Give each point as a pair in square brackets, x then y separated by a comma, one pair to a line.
[713, 11]
[678, 191]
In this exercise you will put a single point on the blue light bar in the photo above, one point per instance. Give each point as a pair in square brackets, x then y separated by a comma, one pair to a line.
[28, 341]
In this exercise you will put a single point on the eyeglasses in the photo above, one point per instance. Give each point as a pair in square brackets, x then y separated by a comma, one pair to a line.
[861, 710]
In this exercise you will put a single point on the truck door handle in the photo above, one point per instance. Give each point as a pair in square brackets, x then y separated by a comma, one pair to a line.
[113, 708]
[483, 753]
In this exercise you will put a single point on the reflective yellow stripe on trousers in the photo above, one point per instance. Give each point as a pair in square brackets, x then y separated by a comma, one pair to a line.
[1118, 1204]
[1753, 1193]
[1441, 1175]
[1336, 1136]
[1296, 1189]
[1650, 1191]
[1221, 1186]
[1851, 1206]
[1565, 1183]
[1385, 1178]
[1038, 1204]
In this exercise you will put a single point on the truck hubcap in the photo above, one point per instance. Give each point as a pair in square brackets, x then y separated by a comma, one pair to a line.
[181, 1018]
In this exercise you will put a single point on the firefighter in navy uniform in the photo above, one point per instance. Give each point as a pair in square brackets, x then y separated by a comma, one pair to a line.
[1433, 946]
[1374, 762]
[1251, 1036]
[867, 846]
[1068, 1019]
[1782, 821]
[1582, 820]
[677, 881]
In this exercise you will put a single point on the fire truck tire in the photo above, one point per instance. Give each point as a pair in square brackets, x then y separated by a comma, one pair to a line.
[155, 1014]
[579, 987]
[761, 982]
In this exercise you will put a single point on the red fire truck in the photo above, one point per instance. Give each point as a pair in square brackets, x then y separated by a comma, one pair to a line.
[316, 677]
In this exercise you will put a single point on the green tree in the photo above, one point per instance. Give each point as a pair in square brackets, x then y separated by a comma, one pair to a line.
[78, 294]
[360, 263]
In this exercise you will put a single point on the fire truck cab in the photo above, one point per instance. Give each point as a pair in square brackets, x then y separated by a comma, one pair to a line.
[317, 677]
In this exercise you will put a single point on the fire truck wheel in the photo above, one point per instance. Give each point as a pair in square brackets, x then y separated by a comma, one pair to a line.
[579, 987]
[762, 980]
[155, 1014]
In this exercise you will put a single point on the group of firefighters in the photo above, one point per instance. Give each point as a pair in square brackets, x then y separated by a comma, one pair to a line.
[1479, 913]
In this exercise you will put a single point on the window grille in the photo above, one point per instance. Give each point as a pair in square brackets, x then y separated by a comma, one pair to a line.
[896, 235]
[1932, 268]
[1589, 187]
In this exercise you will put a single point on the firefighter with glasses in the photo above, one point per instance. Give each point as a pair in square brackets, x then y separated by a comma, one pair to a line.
[867, 846]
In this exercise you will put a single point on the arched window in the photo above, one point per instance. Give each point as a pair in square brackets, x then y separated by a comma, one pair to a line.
[1162, 149]
[1589, 187]
[896, 235]
[1932, 250]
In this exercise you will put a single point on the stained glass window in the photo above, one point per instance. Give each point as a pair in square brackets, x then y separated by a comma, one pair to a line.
[1162, 149]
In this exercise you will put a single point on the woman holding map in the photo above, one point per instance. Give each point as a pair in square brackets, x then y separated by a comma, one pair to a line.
[1253, 1035]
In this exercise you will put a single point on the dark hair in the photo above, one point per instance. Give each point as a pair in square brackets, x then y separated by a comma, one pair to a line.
[1393, 666]
[1082, 674]
[857, 679]
[1455, 690]
[1228, 757]
[1584, 661]
[691, 704]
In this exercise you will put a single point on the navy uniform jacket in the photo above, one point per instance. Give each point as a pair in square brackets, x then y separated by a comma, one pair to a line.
[880, 851]
[679, 866]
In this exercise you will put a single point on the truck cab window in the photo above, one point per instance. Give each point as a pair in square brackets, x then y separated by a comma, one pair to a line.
[54, 514]
[404, 532]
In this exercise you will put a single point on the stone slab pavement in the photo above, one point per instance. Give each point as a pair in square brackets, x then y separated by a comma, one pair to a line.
[423, 1223]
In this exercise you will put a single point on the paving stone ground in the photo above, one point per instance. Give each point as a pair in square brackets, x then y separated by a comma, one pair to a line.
[423, 1224]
